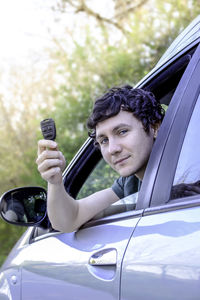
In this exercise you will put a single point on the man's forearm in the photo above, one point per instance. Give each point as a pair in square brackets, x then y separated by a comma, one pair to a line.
[62, 208]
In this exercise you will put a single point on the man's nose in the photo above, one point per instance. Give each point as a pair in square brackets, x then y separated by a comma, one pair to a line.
[114, 147]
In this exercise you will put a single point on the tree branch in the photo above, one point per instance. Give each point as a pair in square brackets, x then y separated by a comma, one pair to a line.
[81, 6]
[130, 8]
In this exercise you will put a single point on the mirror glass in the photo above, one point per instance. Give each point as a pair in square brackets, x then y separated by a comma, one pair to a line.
[24, 206]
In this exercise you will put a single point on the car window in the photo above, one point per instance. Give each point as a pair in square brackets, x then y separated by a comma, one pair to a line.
[102, 177]
[187, 176]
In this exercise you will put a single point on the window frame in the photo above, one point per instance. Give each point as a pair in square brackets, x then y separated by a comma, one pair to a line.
[170, 140]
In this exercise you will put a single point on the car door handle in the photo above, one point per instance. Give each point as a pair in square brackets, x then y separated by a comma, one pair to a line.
[106, 257]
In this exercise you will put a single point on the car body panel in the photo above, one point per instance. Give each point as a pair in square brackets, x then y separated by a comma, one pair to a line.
[162, 260]
[10, 284]
[10, 275]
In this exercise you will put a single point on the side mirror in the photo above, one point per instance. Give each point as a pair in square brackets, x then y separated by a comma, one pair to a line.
[24, 206]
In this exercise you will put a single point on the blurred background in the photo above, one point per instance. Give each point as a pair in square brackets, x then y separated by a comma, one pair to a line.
[56, 57]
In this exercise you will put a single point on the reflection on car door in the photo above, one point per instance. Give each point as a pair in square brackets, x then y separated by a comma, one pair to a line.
[162, 259]
[81, 265]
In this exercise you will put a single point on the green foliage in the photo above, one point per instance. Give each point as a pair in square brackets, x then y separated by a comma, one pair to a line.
[95, 182]
[9, 236]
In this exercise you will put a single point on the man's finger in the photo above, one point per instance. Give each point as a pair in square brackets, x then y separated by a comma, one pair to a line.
[46, 144]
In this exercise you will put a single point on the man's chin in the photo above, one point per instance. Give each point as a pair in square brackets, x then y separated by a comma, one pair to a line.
[125, 173]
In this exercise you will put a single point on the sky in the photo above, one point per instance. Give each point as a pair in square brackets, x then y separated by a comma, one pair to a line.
[24, 35]
[27, 28]
[24, 28]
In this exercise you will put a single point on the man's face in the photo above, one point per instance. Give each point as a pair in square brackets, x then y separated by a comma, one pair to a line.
[124, 144]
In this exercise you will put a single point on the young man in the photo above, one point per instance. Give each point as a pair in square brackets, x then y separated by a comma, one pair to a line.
[124, 124]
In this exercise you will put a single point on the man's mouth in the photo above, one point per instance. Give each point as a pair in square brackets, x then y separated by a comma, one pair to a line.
[121, 160]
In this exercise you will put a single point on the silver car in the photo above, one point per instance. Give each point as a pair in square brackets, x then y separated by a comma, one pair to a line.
[145, 246]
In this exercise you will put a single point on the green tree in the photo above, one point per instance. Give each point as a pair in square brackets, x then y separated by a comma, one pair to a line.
[101, 61]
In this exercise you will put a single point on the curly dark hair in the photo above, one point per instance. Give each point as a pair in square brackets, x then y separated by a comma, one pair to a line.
[140, 102]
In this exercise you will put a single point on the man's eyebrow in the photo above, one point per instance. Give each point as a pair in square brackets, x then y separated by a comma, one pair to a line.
[120, 126]
[99, 136]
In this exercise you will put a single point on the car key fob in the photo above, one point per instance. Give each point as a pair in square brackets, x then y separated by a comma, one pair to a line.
[48, 129]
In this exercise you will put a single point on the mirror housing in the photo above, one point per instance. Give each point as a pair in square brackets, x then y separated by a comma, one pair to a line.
[25, 206]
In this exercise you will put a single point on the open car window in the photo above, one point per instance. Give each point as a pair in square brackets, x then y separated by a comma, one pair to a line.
[102, 177]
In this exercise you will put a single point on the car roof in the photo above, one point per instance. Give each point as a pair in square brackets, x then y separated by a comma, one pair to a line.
[186, 40]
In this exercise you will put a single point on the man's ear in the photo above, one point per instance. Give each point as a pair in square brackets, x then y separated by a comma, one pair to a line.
[155, 129]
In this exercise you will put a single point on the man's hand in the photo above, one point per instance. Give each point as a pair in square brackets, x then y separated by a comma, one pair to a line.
[51, 162]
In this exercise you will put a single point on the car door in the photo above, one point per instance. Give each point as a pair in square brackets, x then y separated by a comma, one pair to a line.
[85, 264]
[79, 265]
[162, 260]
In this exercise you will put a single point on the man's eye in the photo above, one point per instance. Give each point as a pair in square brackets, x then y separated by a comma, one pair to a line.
[103, 141]
[123, 131]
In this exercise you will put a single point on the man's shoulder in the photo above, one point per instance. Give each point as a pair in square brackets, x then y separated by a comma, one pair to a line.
[125, 186]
